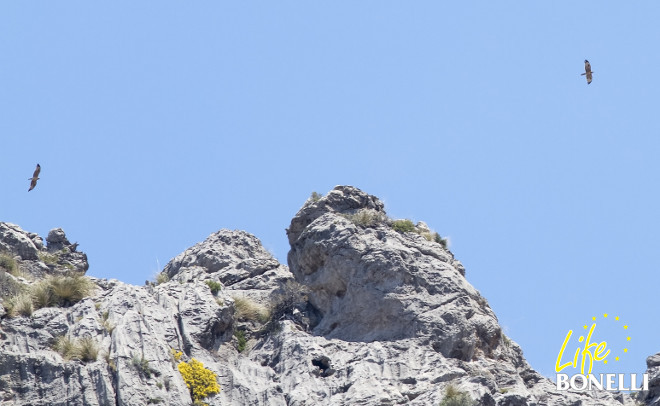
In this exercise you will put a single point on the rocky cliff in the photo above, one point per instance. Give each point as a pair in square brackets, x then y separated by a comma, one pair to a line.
[368, 312]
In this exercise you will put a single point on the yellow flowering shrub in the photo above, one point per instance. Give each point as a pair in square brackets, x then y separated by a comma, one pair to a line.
[176, 354]
[200, 381]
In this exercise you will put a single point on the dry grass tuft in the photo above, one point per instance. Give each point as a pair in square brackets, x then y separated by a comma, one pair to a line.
[86, 349]
[20, 305]
[8, 263]
[248, 309]
[70, 289]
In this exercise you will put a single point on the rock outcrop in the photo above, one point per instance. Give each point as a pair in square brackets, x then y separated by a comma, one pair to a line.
[652, 397]
[363, 315]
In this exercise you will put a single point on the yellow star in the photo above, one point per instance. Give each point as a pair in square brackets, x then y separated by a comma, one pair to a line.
[625, 327]
[628, 338]
[605, 315]
[625, 350]
[616, 358]
[605, 362]
[593, 318]
[616, 318]
[585, 326]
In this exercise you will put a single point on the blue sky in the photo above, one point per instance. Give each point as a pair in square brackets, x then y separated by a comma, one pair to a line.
[157, 124]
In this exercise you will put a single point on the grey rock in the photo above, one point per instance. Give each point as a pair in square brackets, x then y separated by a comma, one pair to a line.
[35, 260]
[17, 242]
[342, 199]
[378, 284]
[423, 227]
[364, 316]
[9, 285]
[230, 257]
[652, 397]
[66, 252]
[653, 361]
[57, 240]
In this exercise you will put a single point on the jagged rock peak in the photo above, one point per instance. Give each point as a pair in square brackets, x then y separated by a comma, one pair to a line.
[380, 317]
[16, 241]
[341, 199]
[231, 256]
[374, 283]
[35, 259]
[57, 240]
[388, 296]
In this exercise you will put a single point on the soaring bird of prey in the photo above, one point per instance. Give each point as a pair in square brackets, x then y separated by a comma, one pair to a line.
[587, 71]
[35, 177]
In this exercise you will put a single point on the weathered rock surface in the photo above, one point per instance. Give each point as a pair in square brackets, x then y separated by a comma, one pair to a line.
[366, 315]
[37, 260]
[652, 397]
[18, 242]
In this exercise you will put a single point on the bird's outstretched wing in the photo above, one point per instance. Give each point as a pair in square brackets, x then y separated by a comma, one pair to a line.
[35, 177]
[587, 71]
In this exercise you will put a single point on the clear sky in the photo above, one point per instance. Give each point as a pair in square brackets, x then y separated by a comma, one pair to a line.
[157, 123]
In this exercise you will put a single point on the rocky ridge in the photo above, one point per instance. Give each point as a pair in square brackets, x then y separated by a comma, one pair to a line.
[363, 315]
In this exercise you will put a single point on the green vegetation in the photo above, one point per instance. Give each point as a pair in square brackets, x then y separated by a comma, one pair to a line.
[435, 237]
[506, 341]
[454, 397]
[403, 226]
[440, 240]
[316, 196]
[110, 362]
[84, 349]
[109, 327]
[291, 295]
[142, 366]
[407, 226]
[214, 286]
[200, 381]
[162, 278]
[242, 341]
[8, 263]
[248, 309]
[49, 259]
[366, 217]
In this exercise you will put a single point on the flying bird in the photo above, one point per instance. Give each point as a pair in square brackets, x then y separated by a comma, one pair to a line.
[35, 177]
[587, 71]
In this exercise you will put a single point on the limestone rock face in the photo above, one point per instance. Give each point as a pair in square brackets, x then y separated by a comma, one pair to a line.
[342, 199]
[17, 242]
[653, 370]
[37, 260]
[365, 315]
[374, 283]
[233, 258]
